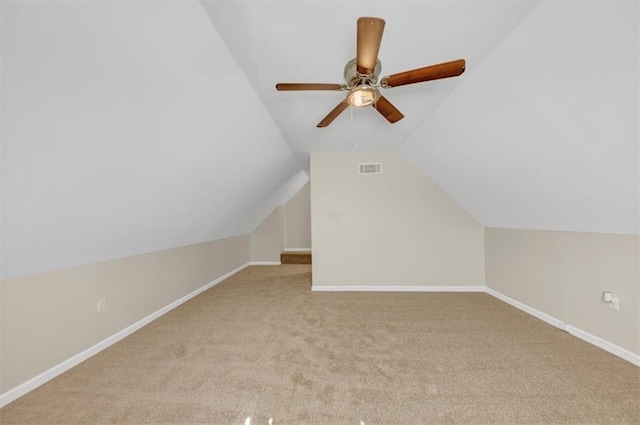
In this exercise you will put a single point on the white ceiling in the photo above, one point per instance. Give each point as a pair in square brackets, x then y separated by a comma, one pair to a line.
[544, 134]
[284, 41]
[540, 132]
[127, 128]
[131, 127]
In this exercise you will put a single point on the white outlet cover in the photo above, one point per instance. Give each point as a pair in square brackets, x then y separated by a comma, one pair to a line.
[102, 305]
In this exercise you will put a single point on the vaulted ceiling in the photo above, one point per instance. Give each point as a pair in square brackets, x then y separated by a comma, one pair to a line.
[127, 128]
[544, 132]
[540, 132]
[137, 126]
[312, 42]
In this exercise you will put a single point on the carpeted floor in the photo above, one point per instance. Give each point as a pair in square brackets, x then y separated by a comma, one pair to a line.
[262, 345]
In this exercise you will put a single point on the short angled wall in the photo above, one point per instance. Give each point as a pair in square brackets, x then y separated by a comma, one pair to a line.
[50, 322]
[579, 333]
[562, 275]
[554, 321]
[51, 319]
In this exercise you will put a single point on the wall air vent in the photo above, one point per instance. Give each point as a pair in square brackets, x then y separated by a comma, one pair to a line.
[371, 168]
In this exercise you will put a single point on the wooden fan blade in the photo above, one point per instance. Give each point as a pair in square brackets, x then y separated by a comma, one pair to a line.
[386, 108]
[428, 73]
[333, 114]
[368, 43]
[309, 86]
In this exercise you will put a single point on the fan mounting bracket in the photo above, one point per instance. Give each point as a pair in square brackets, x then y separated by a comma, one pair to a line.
[354, 78]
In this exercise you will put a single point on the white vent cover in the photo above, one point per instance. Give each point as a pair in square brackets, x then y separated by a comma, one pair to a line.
[371, 168]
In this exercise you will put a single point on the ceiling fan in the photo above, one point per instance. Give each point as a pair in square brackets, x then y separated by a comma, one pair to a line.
[361, 76]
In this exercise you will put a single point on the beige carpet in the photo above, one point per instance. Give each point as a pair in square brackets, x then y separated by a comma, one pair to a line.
[262, 345]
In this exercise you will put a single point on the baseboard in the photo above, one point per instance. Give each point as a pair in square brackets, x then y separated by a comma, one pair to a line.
[396, 288]
[297, 250]
[265, 263]
[33, 383]
[62, 367]
[605, 345]
[585, 336]
[532, 311]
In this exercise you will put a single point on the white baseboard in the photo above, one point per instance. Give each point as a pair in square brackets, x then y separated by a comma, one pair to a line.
[605, 345]
[396, 288]
[62, 367]
[532, 311]
[265, 263]
[585, 336]
[33, 383]
[297, 249]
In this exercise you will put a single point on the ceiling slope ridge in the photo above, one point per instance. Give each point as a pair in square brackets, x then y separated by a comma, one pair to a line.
[468, 73]
[248, 80]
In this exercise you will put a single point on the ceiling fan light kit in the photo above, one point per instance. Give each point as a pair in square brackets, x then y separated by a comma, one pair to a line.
[363, 95]
[361, 76]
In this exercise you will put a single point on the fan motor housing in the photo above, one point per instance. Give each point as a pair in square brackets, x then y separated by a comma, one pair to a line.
[353, 78]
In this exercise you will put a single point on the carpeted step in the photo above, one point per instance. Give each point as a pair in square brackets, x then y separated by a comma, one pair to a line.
[295, 257]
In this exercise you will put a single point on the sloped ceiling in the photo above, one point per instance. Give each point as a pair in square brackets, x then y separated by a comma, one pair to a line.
[127, 128]
[131, 127]
[284, 41]
[543, 135]
[540, 132]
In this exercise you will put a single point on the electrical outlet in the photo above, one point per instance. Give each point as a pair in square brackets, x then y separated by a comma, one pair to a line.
[614, 304]
[102, 305]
